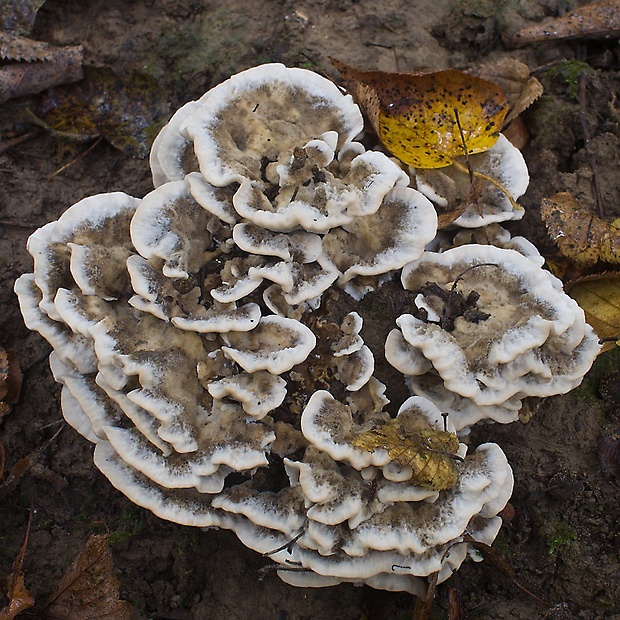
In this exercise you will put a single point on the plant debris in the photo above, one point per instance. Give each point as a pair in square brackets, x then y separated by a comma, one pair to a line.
[581, 236]
[127, 110]
[426, 119]
[598, 20]
[35, 66]
[514, 78]
[429, 452]
[18, 16]
[609, 454]
[89, 589]
[10, 381]
[599, 297]
[17, 595]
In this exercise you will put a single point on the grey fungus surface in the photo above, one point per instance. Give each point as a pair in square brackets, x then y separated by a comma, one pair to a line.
[201, 346]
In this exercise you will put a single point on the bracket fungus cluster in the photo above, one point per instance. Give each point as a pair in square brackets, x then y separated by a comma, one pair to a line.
[202, 348]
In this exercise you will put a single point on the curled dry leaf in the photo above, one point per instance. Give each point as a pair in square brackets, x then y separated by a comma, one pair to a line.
[10, 380]
[39, 66]
[127, 110]
[580, 235]
[609, 454]
[514, 78]
[599, 297]
[425, 119]
[18, 16]
[598, 20]
[90, 588]
[19, 598]
[429, 452]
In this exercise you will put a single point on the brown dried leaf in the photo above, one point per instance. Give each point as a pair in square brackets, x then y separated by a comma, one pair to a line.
[580, 235]
[609, 454]
[42, 66]
[90, 588]
[10, 379]
[18, 596]
[21, 467]
[18, 15]
[15, 47]
[599, 297]
[514, 78]
[598, 20]
[517, 132]
[429, 452]
[19, 600]
[427, 119]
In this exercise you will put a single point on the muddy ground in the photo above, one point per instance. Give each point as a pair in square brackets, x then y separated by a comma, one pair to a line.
[563, 541]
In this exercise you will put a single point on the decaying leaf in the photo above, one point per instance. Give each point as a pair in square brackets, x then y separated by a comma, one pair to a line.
[599, 297]
[127, 110]
[580, 235]
[426, 119]
[22, 466]
[18, 15]
[38, 66]
[514, 78]
[429, 452]
[609, 454]
[598, 20]
[90, 588]
[19, 599]
[10, 380]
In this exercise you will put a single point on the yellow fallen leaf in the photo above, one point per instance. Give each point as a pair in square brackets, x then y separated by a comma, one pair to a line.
[429, 452]
[580, 235]
[599, 297]
[425, 119]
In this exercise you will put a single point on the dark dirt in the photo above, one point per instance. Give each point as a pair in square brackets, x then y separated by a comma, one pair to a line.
[563, 541]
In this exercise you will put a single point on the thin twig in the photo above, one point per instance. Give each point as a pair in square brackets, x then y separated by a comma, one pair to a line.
[586, 138]
[9, 144]
[480, 175]
[286, 545]
[76, 159]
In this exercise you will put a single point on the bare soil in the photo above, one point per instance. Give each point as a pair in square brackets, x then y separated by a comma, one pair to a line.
[563, 542]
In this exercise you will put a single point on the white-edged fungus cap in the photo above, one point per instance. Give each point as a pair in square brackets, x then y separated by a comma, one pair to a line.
[507, 332]
[251, 115]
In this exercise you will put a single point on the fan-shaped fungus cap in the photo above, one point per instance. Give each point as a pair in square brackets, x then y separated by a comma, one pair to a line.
[261, 115]
[388, 239]
[491, 328]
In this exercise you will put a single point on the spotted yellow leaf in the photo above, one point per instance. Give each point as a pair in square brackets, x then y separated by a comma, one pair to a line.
[426, 119]
[429, 452]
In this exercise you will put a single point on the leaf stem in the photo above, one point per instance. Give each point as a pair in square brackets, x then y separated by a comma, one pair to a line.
[485, 177]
